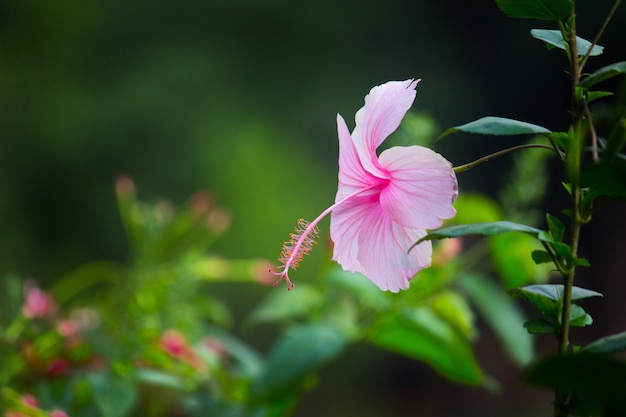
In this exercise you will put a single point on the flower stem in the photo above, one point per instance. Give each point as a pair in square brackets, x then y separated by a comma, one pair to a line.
[470, 165]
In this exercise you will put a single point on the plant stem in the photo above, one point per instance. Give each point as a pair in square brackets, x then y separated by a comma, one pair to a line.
[470, 165]
[561, 406]
[599, 34]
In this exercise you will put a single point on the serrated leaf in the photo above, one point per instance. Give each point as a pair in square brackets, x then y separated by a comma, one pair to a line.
[555, 226]
[298, 353]
[539, 326]
[536, 9]
[499, 126]
[555, 38]
[502, 315]
[609, 344]
[541, 257]
[603, 74]
[421, 334]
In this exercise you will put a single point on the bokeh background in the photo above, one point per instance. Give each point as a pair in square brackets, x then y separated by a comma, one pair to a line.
[239, 98]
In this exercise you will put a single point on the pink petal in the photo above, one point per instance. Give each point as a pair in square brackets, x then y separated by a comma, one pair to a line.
[346, 222]
[421, 189]
[384, 108]
[352, 175]
[369, 242]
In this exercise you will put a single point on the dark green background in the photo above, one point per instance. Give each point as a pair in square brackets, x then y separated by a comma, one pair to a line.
[240, 97]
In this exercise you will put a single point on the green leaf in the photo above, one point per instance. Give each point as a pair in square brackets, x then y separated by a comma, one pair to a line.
[502, 315]
[564, 141]
[554, 292]
[421, 334]
[298, 353]
[603, 74]
[536, 9]
[158, 378]
[283, 305]
[582, 262]
[114, 396]
[492, 125]
[595, 95]
[541, 257]
[486, 229]
[556, 227]
[562, 250]
[555, 38]
[546, 305]
[454, 309]
[609, 344]
[244, 358]
[539, 326]
[578, 317]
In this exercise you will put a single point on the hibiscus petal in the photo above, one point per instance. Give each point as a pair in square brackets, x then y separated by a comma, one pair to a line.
[421, 189]
[368, 241]
[346, 222]
[383, 246]
[384, 108]
[352, 175]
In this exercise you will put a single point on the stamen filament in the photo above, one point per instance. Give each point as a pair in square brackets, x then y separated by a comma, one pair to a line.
[294, 250]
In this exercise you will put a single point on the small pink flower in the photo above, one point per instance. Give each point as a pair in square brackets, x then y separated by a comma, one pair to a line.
[174, 343]
[385, 203]
[55, 412]
[37, 303]
[30, 400]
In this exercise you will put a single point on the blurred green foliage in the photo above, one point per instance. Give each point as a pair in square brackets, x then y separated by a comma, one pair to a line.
[240, 98]
[155, 336]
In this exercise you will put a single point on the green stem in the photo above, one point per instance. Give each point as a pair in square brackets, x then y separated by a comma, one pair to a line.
[561, 406]
[599, 34]
[569, 276]
[470, 165]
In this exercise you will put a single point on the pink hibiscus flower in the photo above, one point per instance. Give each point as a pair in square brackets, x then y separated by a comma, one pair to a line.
[37, 303]
[384, 203]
